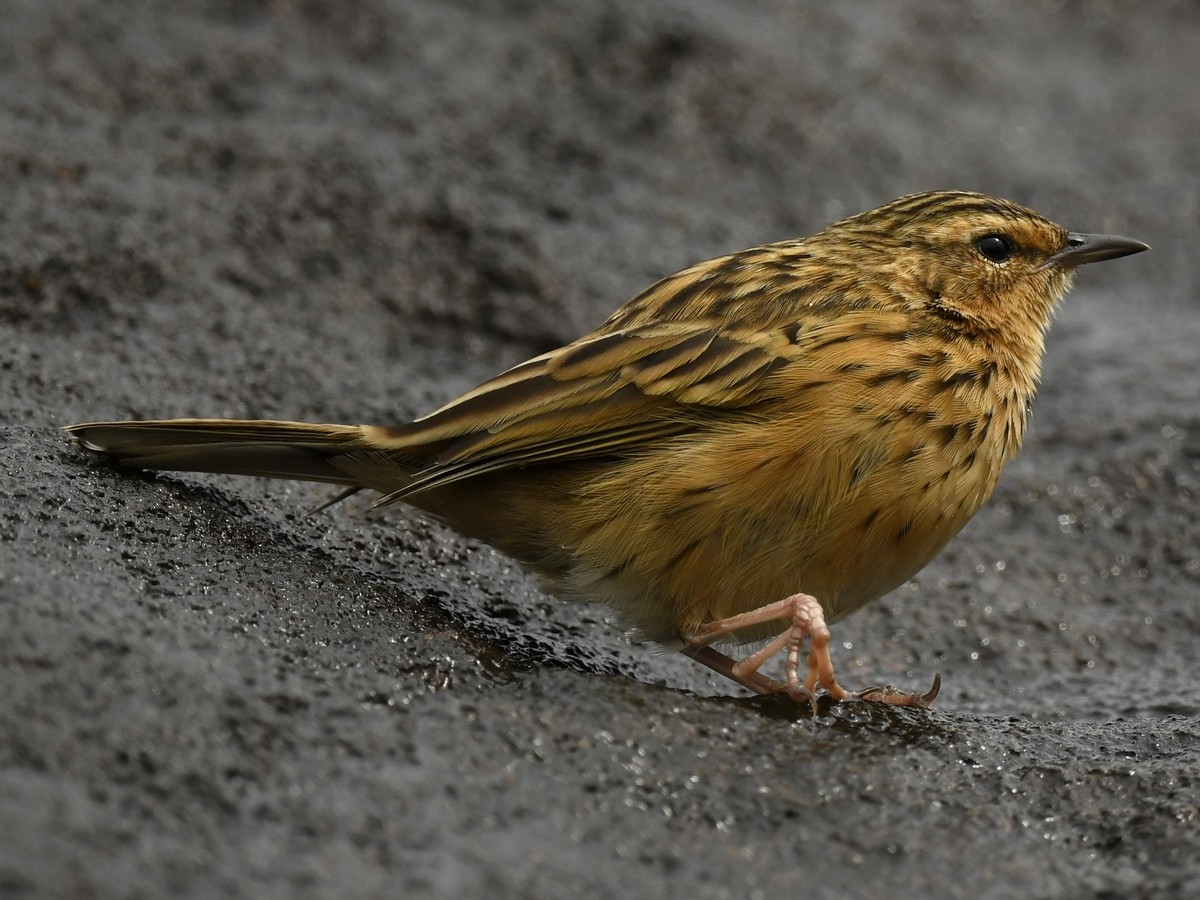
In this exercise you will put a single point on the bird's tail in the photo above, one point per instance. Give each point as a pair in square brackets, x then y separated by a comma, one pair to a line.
[263, 448]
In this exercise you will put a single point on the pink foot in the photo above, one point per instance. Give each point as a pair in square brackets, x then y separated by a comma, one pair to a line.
[808, 621]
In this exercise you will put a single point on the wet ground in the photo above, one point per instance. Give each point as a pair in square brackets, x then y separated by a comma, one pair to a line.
[351, 213]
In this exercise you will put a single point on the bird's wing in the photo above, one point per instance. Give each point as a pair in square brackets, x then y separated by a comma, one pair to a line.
[604, 394]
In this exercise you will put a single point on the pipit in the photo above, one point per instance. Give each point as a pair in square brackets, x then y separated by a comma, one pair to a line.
[749, 450]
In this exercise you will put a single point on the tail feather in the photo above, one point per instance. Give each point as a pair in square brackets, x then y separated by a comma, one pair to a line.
[262, 448]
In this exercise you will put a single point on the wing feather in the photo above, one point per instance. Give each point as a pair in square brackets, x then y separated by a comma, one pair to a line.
[605, 395]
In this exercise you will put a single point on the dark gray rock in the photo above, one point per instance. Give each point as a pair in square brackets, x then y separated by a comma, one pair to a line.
[352, 212]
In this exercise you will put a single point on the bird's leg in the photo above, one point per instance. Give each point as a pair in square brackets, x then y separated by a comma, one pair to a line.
[736, 670]
[808, 621]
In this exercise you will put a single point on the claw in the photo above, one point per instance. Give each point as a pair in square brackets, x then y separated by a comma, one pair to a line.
[889, 694]
[932, 693]
[803, 694]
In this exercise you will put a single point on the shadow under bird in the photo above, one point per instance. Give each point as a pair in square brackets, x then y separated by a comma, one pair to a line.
[749, 450]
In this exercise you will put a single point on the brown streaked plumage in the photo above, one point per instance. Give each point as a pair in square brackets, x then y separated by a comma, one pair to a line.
[750, 449]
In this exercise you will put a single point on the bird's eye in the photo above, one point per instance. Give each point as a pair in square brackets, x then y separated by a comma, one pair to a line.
[995, 247]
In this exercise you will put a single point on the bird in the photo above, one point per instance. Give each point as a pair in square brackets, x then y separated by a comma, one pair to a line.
[744, 453]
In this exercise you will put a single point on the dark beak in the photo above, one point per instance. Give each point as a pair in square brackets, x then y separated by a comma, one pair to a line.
[1086, 248]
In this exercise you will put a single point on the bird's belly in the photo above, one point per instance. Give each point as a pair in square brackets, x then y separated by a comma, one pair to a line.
[881, 549]
[697, 556]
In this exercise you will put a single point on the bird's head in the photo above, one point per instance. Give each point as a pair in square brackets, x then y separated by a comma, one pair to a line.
[985, 266]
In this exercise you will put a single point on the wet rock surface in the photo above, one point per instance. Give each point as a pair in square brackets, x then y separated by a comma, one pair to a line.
[352, 213]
